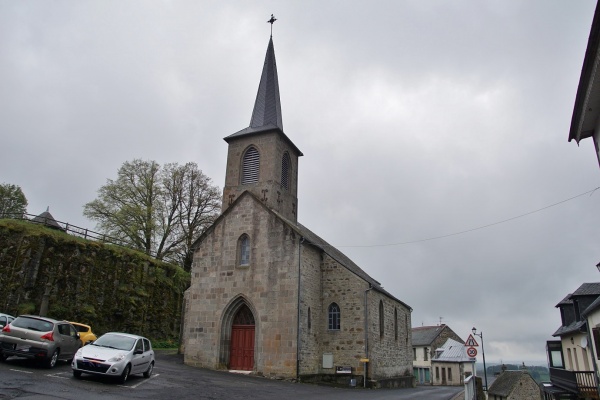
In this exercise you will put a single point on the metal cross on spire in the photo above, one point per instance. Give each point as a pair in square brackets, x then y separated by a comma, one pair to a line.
[271, 21]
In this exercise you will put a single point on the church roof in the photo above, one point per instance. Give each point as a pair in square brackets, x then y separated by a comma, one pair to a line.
[266, 115]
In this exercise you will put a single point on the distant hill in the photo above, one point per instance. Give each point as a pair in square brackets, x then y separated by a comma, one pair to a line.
[539, 373]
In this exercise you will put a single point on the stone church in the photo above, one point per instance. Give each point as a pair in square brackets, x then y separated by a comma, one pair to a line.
[267, 294]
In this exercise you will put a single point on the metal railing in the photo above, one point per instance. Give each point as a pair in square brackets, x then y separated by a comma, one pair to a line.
[582, 383]
[70, 229]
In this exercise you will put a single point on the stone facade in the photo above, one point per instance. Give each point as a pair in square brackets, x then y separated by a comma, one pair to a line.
[271, 146]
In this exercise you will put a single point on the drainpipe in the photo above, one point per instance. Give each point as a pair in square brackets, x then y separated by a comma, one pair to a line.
[298, 307]
[366, 334]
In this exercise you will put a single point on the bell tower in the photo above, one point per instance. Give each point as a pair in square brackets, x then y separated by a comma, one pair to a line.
[261, 159]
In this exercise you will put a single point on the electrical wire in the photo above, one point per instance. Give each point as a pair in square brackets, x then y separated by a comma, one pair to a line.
[590, 192]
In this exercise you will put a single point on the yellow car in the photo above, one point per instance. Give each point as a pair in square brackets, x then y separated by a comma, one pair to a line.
[85, 332]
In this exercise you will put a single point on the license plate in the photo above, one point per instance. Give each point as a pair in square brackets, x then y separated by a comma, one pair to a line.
[23, 347]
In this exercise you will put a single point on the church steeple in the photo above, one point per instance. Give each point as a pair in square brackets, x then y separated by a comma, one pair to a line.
[267, 107]
[261, 159]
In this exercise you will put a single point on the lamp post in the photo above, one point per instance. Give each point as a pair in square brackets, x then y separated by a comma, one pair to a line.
[480, 334]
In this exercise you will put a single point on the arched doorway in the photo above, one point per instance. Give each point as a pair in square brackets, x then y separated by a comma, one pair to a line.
[241, 356]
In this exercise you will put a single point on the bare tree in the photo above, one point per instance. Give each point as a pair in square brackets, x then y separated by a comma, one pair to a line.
[156, 210]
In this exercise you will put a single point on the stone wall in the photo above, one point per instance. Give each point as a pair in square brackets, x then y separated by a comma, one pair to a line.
[48, 272]
[268, 285]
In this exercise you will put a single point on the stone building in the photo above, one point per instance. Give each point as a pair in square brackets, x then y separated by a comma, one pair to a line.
[514, 385]
[425, 340]
[270, 296]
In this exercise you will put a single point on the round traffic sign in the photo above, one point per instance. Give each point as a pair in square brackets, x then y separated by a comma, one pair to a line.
[472, 352]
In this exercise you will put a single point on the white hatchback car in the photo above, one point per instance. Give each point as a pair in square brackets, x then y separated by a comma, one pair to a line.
[117, 355]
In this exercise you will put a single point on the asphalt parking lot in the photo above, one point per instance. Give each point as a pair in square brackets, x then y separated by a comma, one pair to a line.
[174, 380]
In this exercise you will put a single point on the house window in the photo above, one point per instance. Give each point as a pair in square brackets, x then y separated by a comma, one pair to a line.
[395, 323]
[437, 373]
[596, 335]
[250, 166]
[381, 321]
[285, 171]
[414, 354]
[425, 354]
[244, 250]
[334, 317]
[449, 374]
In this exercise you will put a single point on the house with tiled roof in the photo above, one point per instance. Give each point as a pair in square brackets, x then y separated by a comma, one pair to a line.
[425, 339]
[514, 385]
[271, 297]
[451, 364]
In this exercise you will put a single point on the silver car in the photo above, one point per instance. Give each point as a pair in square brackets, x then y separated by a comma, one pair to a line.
[39, 338]
[5, 319]
[117, 355]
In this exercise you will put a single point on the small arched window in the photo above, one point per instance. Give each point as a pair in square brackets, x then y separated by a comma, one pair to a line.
[333, 317]
[244, 250]
[250, 166]
[285, 171]
[381, 322]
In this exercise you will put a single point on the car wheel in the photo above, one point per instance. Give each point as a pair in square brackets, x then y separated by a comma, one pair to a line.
[77, 374]
[3, 357]
[125, 374]
[148, 372]
[51, 362]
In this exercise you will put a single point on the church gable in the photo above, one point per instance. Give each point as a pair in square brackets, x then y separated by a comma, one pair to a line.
[249, 253]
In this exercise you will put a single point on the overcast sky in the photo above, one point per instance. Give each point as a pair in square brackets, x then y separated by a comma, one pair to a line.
[417, 119]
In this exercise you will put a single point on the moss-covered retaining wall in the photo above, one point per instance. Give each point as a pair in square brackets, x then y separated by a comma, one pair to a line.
[48, 272]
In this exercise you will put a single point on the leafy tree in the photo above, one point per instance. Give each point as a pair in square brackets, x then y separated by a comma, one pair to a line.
[158, 210]
[13, 202]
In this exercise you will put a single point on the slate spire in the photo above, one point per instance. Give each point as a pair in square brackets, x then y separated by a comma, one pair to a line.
[267, 107]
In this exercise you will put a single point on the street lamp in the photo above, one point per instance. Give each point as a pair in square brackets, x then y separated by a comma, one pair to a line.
[483, 353]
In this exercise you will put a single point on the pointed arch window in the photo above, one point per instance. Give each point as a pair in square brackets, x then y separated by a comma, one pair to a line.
[309, 322]
[244, 250]
[381, 322]
[333, 313]
[285, 171]
[250, 166]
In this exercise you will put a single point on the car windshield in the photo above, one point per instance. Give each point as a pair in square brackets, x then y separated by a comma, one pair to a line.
[112, 341]
[33, 324]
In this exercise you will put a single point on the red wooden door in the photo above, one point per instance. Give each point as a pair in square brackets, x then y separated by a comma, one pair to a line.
[242, 347]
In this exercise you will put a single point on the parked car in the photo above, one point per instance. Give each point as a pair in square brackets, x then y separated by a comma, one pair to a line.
[5, 319]
[85, 332]
[40, 338]
[115, 354]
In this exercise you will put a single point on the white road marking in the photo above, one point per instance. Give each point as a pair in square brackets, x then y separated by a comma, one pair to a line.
[20, 370]
[55, 375]
[144, 381]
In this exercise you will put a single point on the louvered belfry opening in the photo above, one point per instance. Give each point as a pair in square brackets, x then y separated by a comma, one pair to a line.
[250, 166]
